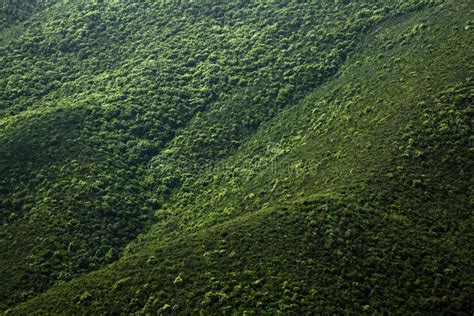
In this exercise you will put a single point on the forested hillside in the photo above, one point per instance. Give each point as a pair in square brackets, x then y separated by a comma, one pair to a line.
[250, 157]
[13, 11]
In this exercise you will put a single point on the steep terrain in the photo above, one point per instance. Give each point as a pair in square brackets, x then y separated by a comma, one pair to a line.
[262, 158]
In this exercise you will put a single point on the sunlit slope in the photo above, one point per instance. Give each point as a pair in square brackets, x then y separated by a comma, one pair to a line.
[352, 129]
[357, 199]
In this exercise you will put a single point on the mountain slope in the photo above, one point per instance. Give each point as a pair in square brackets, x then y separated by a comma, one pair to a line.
[355, 199]
[104, 104]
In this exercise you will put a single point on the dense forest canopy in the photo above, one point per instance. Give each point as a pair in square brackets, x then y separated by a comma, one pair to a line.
[251, 156]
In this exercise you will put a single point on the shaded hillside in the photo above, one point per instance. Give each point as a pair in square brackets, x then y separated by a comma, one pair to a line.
[354, 195]
[13, 11]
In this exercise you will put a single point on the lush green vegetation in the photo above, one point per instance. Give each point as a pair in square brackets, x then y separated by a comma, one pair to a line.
[236, 157]
[12, 11]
